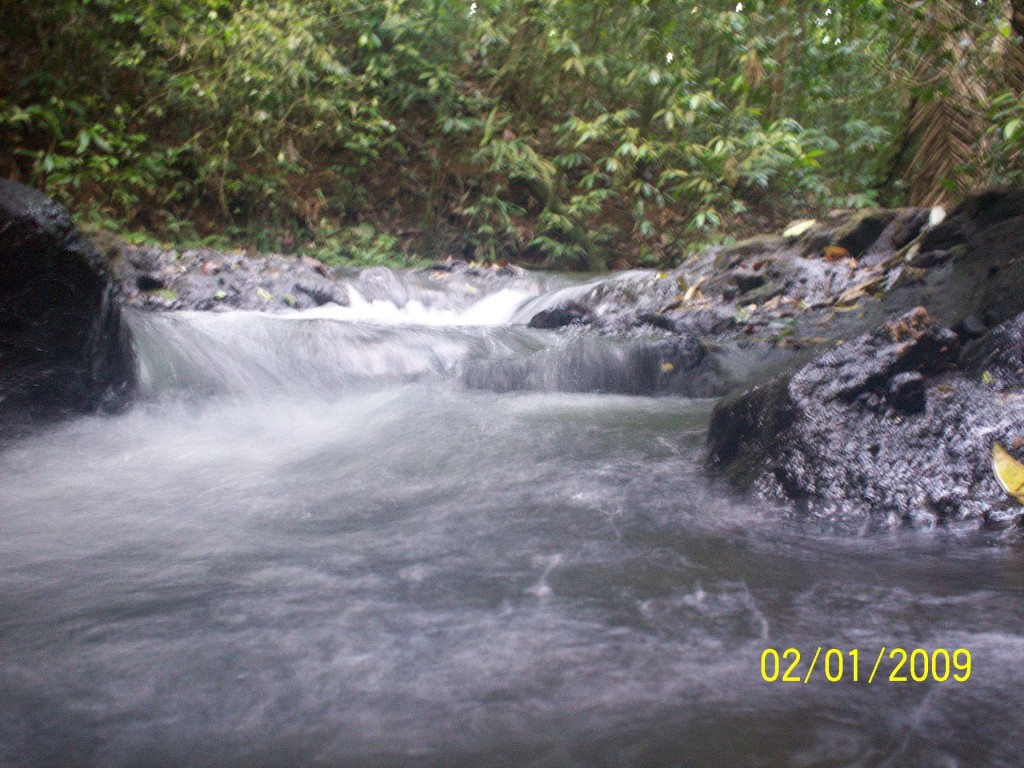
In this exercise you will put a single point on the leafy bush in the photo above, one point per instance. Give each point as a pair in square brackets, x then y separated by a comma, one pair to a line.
[571, 132]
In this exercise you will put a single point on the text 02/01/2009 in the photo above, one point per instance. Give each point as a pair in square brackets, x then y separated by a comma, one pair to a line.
[916, 665]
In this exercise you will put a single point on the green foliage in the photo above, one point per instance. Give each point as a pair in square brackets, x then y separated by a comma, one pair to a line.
[360, 246]
[1005, 159]
[567, 131]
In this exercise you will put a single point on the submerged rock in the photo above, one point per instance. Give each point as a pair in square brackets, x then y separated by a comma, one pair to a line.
[570, 313]
[582, 362]
[883, 430]
[63, 347]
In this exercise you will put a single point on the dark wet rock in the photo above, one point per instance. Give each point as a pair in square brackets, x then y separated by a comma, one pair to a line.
[971, 327]
[877, 432]
[658, 320]
[906, 392]
[870, 235]
[978, 212]
[862, 230]
[149, 283]
[905, 226]
[997, 358]
[769, 297]
[322, 293]
[63, 347]
[927, 259]
[976, 269]
[748, 279]
[815, 240]
[570, 313]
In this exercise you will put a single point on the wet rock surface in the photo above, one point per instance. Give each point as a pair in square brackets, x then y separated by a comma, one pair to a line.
[889, 429]
[584, 362]
[832, 280]
[894, 426]
[63, 348]
[152, 278]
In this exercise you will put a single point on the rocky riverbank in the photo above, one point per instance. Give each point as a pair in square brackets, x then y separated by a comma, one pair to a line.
[868, 361]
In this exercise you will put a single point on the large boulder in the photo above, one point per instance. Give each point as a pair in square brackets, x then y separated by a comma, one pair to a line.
[974, 272]
[63, 347]
[881, 431]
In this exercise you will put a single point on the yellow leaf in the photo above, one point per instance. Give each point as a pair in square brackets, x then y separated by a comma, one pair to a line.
[1008, 471]
[692, 291]
[667, 367]
[264, 294]
[797, 228]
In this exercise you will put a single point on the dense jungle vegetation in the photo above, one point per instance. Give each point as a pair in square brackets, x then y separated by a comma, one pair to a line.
[565, 133]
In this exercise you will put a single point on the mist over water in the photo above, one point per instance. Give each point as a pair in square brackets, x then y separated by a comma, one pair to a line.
[364, 536]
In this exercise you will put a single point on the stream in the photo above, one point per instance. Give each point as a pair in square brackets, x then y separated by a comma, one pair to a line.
[416, 532]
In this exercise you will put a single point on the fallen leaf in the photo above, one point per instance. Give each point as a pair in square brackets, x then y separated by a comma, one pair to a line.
[836, 253]
[1008, 471]
[862, 289]
[264, 294]
[667, 367]
[692, 290]
[797, 228]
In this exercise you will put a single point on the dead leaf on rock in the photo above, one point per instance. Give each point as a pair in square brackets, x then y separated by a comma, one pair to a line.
[797, 228]
[867, 288]
[836, 253]
[1008, 471]
[693, 291]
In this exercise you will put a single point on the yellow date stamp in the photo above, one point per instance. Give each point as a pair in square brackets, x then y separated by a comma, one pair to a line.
[893, 665]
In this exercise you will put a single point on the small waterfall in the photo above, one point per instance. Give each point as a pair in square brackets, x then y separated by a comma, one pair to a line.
[399, 328]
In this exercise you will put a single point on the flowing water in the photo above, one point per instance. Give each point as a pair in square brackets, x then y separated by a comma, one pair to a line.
[415, 532]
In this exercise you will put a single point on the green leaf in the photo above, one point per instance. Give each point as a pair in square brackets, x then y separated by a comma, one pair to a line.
[84, 138]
